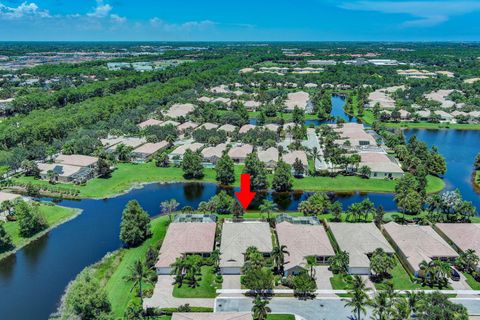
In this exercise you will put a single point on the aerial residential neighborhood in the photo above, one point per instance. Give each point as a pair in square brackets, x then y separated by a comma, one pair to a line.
[252, 161]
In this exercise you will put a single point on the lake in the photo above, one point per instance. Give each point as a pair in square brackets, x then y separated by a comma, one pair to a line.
[38, 274]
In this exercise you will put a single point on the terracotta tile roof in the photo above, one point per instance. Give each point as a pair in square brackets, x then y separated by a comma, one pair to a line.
[188, 237]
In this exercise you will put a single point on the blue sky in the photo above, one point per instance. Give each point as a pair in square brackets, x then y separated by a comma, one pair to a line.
[246, 20]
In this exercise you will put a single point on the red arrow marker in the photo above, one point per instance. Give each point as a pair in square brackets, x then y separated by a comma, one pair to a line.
[245, 196]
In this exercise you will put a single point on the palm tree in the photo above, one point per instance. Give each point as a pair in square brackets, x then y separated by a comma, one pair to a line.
[260, 308]
[435, 272]
[359, 297]
[268, 207]
[6, 205]
[215, 256]
[278, 257]
[311, 264]
[52, 176]
[123, 152]
[139, 274]
[382, 306]
[178, 269]
[402, 309]
[340, 262]
[168, 207]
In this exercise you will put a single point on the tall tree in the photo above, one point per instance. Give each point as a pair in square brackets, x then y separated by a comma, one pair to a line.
[257, 171]
[268, 207]
[225, 170]
[192, 165]
[135, 225]
[169, 207]
[260, 309]
[278, 257]
[29, 219]
[359, 297]
[282, 177]
[138, 275]
[5, 239]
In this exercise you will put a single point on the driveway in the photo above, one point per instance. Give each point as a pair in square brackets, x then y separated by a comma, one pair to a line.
[162, 296]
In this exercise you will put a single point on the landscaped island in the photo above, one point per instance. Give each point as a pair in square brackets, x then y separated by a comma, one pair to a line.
[129, 175]
[51, 215]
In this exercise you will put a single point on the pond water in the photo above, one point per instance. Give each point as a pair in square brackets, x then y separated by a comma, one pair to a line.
[38, 274]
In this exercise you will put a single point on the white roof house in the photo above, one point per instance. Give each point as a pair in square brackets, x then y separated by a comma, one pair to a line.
[381, 165]
[228, 128]
[133, 142]
[269, 156]
[291, 156]
[148, 149]
[180, 110]
[186, 126]
[302, 241]
[245, 128]
[208, 126]
[416, 243]
[359, 240]
[212, 154]
[180, 150]
[76, 160]
[237, 237]
[148, 123]
[297, 99]
[240, 153]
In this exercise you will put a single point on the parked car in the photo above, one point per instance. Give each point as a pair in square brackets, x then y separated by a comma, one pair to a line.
[454, 275]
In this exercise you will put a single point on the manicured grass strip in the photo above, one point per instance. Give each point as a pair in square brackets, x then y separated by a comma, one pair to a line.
[340, 282]
[402, 281]
[53, 215]
[280, 317]
[206, 288]
[119, 292]
[429, 125]
[474, 284]
[127, 175]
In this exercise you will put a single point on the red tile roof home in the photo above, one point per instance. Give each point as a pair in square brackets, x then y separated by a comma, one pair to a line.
[76, 160]
[188, 237]
[303, 240]
[149, 122]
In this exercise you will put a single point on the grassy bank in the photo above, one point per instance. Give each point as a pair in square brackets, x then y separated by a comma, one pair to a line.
[54, 215]
[128, 175]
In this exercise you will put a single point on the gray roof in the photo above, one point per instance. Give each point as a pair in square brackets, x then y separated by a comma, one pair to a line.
[359, 239]
[237, 237]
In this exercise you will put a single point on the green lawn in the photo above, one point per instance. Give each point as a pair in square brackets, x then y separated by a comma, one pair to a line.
[127, 175]
[119, 293]
[429, 125]
[280, 317]
[353, 183]
[206, 289]
[474, 284]
[340, 282]
[53, 215]
[401, 280]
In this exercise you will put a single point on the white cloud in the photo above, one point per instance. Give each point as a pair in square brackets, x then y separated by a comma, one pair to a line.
[158, 23]
[24, 10]
[118, 19]
[425, 13]
[101, 10]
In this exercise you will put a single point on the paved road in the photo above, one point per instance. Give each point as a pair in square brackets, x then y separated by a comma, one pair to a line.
[317, 309]
[312, 142]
